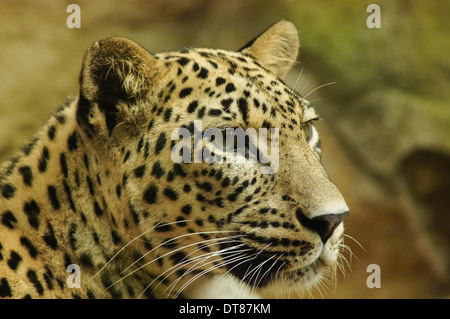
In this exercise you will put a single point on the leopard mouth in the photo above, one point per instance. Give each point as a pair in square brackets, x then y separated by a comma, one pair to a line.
[259, 268]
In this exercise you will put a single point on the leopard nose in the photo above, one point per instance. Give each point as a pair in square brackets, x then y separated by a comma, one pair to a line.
[324, 225]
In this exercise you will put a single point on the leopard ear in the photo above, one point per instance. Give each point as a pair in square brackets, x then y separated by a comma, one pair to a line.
[276, 49]
[115, 71]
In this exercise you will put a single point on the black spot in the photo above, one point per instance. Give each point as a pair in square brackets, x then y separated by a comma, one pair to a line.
[181, 222]
[200, 198]
[140, 144]
[272, 112]
[72, 239]
[185, 92]
[67, 260]
[139, 171]
[186, 209]
[134, 214]
[14, 260]
[48, 277]
[157, 170]
[170, 193]
[226, 103]
[163, 227]
[199, 222]
[32, 210]
[115, 237]
[90, 185]
[5, 289]
[77, 177]
[126, 157]
[183, 61]
[150, 125]
[43, 161]
[8, 190]
[147, 149]
[150, 194]
[187, 188]
[72, 142]
[167, 115]
[118, 190]
[214, 64]
[205, 186]
[160, 143]
[179, 170]
[86, 260]
[179, 257]
[32, 277]
[219, 175]
[69, 195]
[27, 175]
[90, 294]
[98, 210]
[214, 112]
[195, 67]
[201, 112]
[203, 74]
[8, 219]
[192, 106]
[63, 163]
[243, 108]
[230, 88]
[51, 132]
[29, 246]
[12, 164]
[264, 108]
[29, 147]
[53, 197]
[50, 238]
[220, 81]
[226, 182]
[86, 161]
[95, 236]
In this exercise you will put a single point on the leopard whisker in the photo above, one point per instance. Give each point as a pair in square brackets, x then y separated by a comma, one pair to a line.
[203, 273]
[173, 239]
[197, 266]
[117, 253]
[168, 253]
[257, 267]
[268, 270]
[198, 259]
[317, 88]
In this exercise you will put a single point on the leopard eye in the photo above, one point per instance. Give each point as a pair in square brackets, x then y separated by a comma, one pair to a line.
[307, 128]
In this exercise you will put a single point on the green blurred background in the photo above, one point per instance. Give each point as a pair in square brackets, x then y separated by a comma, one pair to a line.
[383, 95]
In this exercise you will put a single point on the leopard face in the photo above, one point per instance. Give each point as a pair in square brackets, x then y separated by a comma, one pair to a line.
[271, 223]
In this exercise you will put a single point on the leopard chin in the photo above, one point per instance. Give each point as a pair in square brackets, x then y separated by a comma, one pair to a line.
[269, 276]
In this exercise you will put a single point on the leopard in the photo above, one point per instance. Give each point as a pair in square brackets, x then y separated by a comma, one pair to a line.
[95, 206]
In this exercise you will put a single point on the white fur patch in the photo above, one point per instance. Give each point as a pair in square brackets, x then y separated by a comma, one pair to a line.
[221, 287]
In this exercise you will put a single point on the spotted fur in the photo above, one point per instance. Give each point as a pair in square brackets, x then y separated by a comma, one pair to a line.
[96, 186]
